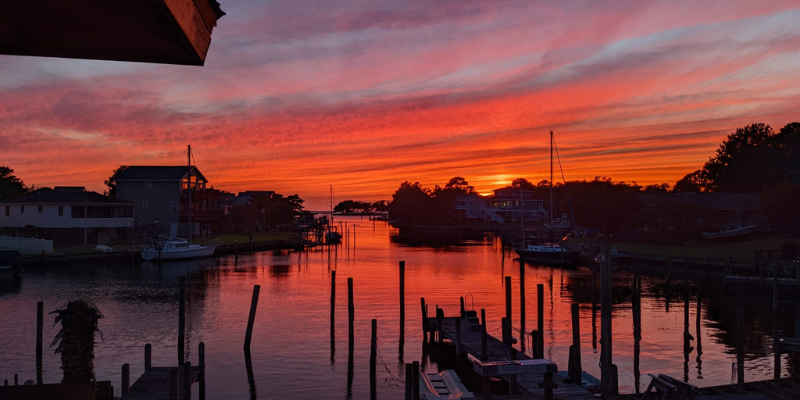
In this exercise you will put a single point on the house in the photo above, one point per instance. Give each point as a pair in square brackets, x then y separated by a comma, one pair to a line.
[68, 215]
[244, 198]
[736, 209]
[160, 195]
[504, 205]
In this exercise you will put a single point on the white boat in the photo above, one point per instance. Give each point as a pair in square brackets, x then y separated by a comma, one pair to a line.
[729, 233]
[177, 249]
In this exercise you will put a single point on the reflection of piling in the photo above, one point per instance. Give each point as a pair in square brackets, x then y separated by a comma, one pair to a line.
[252, 318]
[575, 350]
[181, 318]
[402, 295]
[697, 324]
[522, 302]
[251, 379]
[333, 313]
[776, 347]
[350, 311]
[408, 383]
[594, 308]
[373, 356]
[739, 344]
[539, 344]
[607, 368]
[636, 305]
[507, 325]
[39, 326]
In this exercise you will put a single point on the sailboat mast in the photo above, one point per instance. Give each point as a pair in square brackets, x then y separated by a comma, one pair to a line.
[551, 177]
[189, 187]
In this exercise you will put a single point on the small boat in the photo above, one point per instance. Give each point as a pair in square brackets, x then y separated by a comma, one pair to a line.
[549, 253]
[729, 233]
[7, 260]
[103, 249]
[333, 237]
[177, 249]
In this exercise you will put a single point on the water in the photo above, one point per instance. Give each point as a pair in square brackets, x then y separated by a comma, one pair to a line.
[292, 352]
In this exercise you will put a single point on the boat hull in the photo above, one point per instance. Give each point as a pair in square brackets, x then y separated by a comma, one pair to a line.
[548, 257]
[181, 254]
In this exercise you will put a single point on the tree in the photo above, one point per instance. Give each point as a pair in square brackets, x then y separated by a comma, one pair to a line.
[745, 162]
[522, 183]
[411, 203]
[111, 182]
[75, 340]
[656, 188]
[780, 206]
[10, 185]
[459, 184]
[691, 183]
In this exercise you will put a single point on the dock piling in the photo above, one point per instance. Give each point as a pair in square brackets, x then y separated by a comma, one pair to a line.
[540, 317]
[252, 318]
[415, 380]
[373, 357]
[575, 371]
[402, 295]
[187, 381]
[173, 384]
[483, 335]
[350, 310]
[39, 327]
[181, 318]
[147, 357]
[507, 328]
[739, 311]
[126, 378]
[409, 385]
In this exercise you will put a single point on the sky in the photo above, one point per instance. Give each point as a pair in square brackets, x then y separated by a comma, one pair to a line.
[361, 95]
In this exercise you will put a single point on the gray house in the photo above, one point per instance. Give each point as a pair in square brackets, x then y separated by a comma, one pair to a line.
[161, 196]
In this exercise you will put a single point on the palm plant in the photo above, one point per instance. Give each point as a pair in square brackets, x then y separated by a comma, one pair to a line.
[75, 340]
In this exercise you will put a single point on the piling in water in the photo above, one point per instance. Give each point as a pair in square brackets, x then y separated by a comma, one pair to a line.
[507, 325]
[148, 357]
[252, 318]
[350, 310]
[126, 378]
[39, 327]
[402, 295]
[575, 349]
[181, 318]
[484, 357]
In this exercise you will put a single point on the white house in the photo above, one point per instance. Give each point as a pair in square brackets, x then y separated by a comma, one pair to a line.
[67, 215]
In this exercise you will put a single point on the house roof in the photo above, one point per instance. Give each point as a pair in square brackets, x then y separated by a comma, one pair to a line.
[157, 173]
[65, 195]
[716, 201]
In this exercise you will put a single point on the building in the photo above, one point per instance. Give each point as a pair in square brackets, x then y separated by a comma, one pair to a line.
[244, 198]
[504, 205]
[160, 195]
[68, 215]
[736, 209]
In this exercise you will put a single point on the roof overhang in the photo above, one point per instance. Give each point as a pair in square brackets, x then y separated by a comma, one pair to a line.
[154, 31]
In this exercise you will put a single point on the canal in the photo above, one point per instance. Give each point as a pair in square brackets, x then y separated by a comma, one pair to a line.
[294, 353]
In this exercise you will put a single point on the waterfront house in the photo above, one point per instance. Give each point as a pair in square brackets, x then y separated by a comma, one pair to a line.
[160, 195]
[735, 209]
[504, 205]
[68, 215]
[243, 198]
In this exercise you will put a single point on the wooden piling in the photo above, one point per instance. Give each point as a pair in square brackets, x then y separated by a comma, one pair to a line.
[187, 381]
[424, 315]
[252, 318]
[373, 356]
[608, 379]
[507, 337]
[181, 318]
[39, 327]
[776, 347]
[484, 357]
[408, 383]
[148, 357]
[522, 302]
[540, 314]
[126, 378]
[333, 297]
[350, 310]
[173, 384]
[415, 380]
[439, 319]
[402, 295]
[16, 379]
[739, 311]
[461, 302]
[201, 362]
[575, 372]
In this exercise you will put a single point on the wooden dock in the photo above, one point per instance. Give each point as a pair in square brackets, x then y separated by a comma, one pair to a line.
[156, 383]
[469, 339]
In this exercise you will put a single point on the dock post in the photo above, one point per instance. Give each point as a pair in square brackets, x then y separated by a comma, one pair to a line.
[333, 297]
[458, 335]
[522, 303]
[159, 256]
[439, 319]
[424, 315]
[461, 301]
[16, 379]
[173, 384]
[39, 327]
[252, 318]
[575, 372]
[504, 331]
[402, 294]
[415, 380]
[181, 317]
[608, 378]
[540, 316]
[187, 380]
[636, 304]
[507, 328]
[512, 384]
[126, 378]
[350, 310]
[5, 382]
[201, 362]
[147, 357]
[739, 311]
[373, 358]
[409, 386]
[484, 357]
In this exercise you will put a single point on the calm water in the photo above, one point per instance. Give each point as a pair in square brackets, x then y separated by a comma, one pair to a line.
[293, 355]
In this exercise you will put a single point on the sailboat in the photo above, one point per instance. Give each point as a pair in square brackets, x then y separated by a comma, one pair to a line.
[177, 248]
[549, 252]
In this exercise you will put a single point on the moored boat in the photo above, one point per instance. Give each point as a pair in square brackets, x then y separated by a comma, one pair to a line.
[176, 249]
[549, 253]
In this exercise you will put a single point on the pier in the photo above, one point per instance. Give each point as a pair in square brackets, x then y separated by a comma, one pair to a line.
[165, 383]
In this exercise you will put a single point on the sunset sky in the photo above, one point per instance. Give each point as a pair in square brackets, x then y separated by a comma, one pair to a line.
[362, 95]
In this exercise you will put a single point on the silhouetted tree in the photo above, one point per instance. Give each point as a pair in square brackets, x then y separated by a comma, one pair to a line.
[745, 162]
[691, 183]
[781, 206]
[411, 203]
[75, 340]
[10, 185]
[111, 182]
[522, 183]
[656, 188]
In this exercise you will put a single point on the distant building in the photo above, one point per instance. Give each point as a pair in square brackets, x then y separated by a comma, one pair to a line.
[504, 205]
[736, 209]
[161, 193]
[68, 215]
[244, 197]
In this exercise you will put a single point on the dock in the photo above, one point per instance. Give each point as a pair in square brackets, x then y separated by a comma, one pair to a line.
[468, 338]
[165, 383]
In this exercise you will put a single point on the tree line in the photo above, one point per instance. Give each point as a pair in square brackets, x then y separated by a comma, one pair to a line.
[361, 207]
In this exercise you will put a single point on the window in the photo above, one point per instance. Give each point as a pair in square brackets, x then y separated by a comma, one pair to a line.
[148, 185]
[21, 209]
[8, 210]
[144, 204]
[40, 208]
[78, 212]
[60, 211]
[173, 206]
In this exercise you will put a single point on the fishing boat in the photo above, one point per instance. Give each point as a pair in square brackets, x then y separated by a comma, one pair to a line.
[177, 248]
[550, 252]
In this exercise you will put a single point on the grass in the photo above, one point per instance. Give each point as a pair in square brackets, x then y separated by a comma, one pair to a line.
[742, 250]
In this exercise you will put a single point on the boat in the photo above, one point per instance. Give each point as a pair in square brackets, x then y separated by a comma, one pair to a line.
[729, 233]
[553, 252]
[332, 236]
[8, 259]
[177, 248]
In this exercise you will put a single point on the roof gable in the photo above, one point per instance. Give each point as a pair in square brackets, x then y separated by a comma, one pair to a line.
[67, 195]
